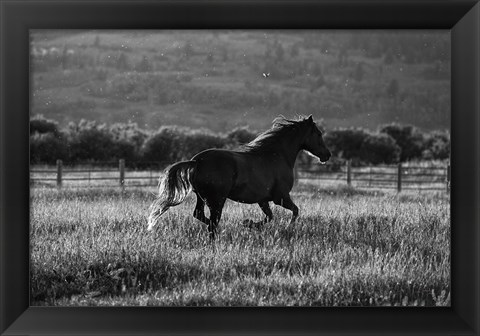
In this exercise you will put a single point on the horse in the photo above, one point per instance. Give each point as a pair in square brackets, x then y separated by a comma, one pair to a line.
[260, 171]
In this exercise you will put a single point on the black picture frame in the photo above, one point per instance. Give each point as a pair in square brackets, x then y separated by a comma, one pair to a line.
[462, 17]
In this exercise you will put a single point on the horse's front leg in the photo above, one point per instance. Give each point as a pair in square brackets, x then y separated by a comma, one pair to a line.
[268, 213]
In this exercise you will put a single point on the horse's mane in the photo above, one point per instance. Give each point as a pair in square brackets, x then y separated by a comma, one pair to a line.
[269, 139]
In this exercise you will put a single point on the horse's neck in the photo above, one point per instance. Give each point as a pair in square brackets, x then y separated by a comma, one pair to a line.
[288, 149]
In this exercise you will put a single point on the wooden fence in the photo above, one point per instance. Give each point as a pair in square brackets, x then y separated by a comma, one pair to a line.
[399, 177]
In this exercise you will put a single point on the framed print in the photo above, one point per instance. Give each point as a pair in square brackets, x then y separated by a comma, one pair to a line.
[101, 98]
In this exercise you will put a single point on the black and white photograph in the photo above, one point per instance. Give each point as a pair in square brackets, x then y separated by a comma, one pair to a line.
[240, 168]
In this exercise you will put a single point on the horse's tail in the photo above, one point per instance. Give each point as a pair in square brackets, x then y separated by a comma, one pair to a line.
[174, 187]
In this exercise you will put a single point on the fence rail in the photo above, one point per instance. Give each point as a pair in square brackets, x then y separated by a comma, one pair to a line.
[400, 177]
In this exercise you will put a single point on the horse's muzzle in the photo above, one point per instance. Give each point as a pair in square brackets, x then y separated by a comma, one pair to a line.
[325, 157]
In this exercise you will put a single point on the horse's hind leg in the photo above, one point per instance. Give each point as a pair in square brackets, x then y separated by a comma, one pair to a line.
[216, 208]
[287, 203]
[199, 212]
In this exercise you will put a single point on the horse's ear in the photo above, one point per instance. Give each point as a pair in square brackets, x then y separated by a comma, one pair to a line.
[310, 118]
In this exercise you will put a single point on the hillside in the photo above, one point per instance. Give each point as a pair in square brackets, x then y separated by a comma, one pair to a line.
[223, 79]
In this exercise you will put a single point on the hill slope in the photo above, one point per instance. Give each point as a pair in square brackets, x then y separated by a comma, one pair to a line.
[223, 79]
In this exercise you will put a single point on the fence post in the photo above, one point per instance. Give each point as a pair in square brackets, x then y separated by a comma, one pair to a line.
[349, 172]
[121, 167]
[399, 177]
[448, 178]
[59, 173]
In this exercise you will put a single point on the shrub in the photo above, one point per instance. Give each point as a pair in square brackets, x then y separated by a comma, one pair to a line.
[173, 143]
[123, 149]
[89, 141]
[380, 148]
[437, 146]
[163, 145]
[128, 139]
[346, 143]
[196, 141]
[408, 138]
[241, 135]
[47, 148]
[39, 124]
[130, 133]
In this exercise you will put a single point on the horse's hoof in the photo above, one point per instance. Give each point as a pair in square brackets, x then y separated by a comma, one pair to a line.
[248, 222]
[258, 225]
[253, 225]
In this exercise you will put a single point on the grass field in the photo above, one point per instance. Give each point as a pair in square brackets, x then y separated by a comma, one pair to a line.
[348, 248]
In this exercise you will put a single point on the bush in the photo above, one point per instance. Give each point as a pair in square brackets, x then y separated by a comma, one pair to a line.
[89, 141]
[241, 135]
[380, 148]
[47, 148]
[346, 143]
[408, 138]
[41, 125]
[129, 133]
[437, 146]
[164, 145]
[196, 141]
[126, 150]
[173, 143]
[128, 139]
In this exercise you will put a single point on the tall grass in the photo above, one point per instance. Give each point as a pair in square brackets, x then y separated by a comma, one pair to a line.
[347, 248]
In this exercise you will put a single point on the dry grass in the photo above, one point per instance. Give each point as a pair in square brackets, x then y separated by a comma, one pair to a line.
[348, 248]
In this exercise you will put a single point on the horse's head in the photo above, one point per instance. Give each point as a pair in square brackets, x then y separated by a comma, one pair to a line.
[313, 142]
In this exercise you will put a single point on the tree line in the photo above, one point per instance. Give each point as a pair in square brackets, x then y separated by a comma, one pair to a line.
[92, 142]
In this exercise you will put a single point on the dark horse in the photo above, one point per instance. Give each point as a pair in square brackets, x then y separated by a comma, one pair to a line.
[259, 172]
